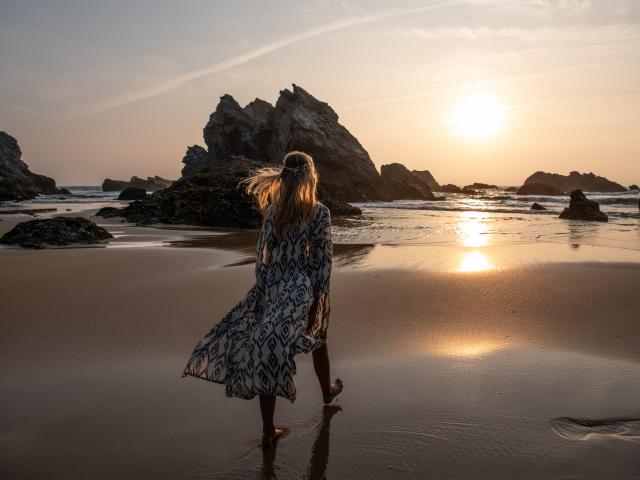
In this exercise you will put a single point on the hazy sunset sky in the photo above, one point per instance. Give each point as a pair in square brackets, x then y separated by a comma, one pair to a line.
[113, 89]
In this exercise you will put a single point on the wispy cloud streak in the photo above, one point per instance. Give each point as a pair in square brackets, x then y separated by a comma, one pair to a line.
[180, 80]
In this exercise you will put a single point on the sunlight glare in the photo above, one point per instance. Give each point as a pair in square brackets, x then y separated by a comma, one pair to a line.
[478, 116]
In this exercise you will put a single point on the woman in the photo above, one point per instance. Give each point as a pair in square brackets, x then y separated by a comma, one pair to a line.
[287, 310]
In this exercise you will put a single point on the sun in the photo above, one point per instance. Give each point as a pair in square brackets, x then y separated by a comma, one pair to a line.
[478, 116]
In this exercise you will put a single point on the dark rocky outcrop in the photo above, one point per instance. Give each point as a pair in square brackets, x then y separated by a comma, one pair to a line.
[481, 186]
[298, 121]
[57, 231]
[64, 191]
[196, 158]
[469, 191]
[581, 208]
[132, 193]
[209, 197]
[587, 182]
[150, 184]
[17, 182]
[450, 188]
[537, 206]
[404, 185]
[511, 189]
[634, 187]
[426, 177]
[108, 212]
[539, 189]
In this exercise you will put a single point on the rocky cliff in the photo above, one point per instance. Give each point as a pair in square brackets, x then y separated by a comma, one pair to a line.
[587, 182]
[298, 121]
[150, 184]
[17, 182]
[402, 184]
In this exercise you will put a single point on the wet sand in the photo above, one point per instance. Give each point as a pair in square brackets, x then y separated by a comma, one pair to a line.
[449, 372]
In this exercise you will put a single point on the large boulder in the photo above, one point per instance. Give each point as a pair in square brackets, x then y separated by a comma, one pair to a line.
[132, 193]
[404, 185]
[57, 231]
[539, 189]
[210, 197]
[450, 188]
[581, 208]
[298, 121]
[426, 177]
[17, 182]
[150, 184]
[587, 182]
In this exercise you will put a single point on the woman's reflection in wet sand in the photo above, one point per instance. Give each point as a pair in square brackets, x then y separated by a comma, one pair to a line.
[319, 452]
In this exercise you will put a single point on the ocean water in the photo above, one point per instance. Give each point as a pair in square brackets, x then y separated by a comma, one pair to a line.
[492, 219]
[495, 218]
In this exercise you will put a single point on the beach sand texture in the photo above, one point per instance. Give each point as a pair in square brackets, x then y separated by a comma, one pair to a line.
[449, 373]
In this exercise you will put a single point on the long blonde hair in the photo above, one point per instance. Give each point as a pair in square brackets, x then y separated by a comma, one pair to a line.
[290, 189]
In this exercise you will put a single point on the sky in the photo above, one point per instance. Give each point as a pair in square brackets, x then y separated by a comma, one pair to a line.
[94, 89]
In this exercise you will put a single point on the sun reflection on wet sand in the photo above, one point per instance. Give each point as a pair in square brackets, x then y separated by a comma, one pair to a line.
[475, 262]
[469, 348]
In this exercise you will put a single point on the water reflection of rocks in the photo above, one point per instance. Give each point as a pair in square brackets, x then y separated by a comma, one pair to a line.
[245, 242]
[319, 452]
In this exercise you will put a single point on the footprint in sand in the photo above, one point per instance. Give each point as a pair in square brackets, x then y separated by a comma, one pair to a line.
[589, 429]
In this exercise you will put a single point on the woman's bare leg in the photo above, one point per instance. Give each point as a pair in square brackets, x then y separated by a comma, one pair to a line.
[270, 432]
[323, 371]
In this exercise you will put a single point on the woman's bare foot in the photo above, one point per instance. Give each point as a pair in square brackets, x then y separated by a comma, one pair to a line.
[336, 388]
[277, 434]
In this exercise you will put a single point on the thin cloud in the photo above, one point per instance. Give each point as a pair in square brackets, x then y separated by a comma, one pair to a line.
[246, 57]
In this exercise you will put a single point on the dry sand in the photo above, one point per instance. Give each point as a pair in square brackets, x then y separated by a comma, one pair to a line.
[448, 374]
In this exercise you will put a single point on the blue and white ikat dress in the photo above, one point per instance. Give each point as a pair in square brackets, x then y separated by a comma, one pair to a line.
[251, 349]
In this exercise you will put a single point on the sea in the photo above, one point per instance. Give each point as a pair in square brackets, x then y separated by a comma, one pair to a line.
[493, 218]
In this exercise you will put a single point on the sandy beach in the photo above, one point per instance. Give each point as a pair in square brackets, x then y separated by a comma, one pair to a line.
[449, 372]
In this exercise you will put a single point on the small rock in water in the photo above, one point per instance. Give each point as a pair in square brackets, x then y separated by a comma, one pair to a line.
[537, 206]
[581, 208]
[57, 231]
[634, 187]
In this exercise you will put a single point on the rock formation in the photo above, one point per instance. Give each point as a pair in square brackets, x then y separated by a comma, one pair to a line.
[481, 186]
[587, 182]
[539, 189]
[56, 231]
[634, 187]
[132, 193]
[404, 185]
[537, 206]
[426, 177]
[17, 182]
[469, 191]
[581, 208]
[450, 188]
[150, 184]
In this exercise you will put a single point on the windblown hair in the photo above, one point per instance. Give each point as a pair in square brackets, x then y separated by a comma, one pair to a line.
[290, 189]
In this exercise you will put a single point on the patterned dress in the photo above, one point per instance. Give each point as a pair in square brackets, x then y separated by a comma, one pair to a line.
[285, 312]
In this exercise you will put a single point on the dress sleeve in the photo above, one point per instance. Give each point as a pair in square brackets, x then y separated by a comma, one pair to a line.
[321, 255]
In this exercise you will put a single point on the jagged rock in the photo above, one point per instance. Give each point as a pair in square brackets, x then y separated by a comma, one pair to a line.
[17, 182]
[426, 177]
[539, 189]
[587, 182]
[132, 193]
[56, 231]
[196, 158]
[469, 191]
[150, 184]
[450, 188]
[634, 187]
[581, 208]
[108, 212]
[481, 186]
[404, 185]
[208, 197]
[298, 121]
[537, 206]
